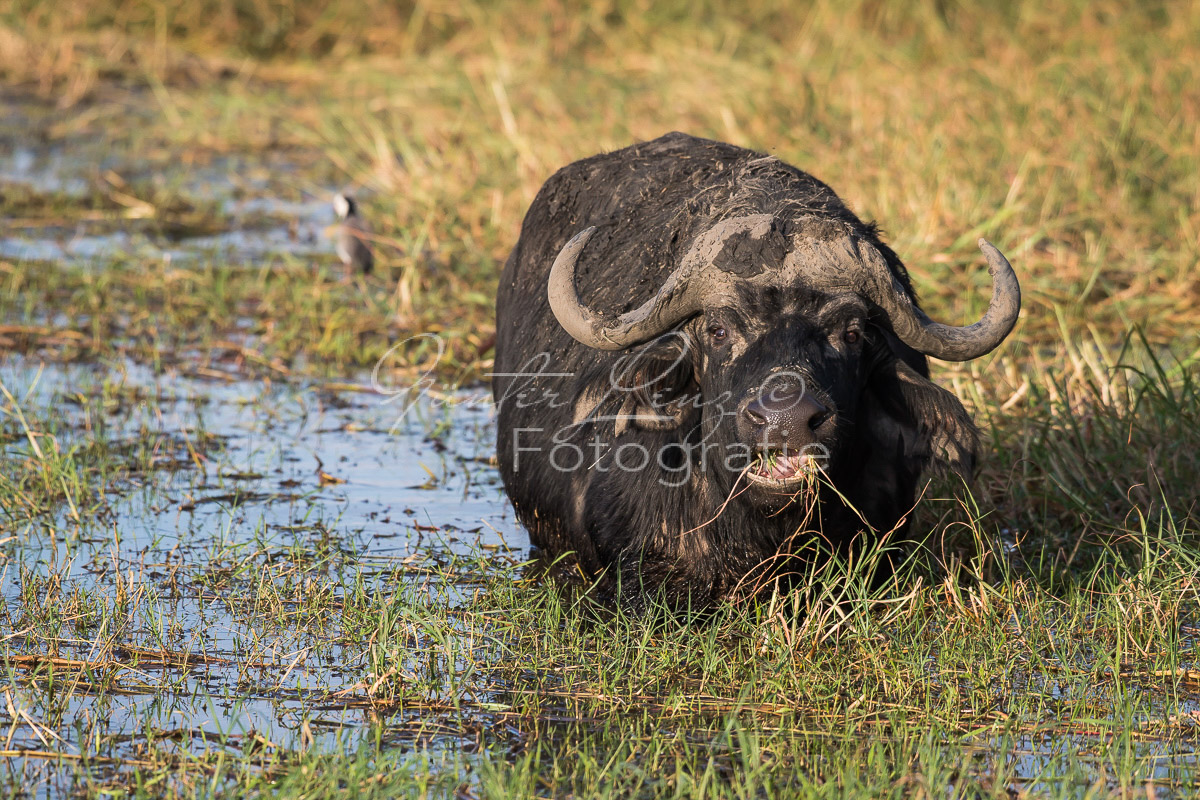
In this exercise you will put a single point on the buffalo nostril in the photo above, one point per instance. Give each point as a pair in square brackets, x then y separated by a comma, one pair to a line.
[789, 418]
[755, 414]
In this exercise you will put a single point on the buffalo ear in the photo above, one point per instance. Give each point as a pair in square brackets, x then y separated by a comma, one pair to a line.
[658, 382]
[926, 423]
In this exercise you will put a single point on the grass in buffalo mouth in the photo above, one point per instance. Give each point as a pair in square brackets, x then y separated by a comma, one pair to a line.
[779, 469]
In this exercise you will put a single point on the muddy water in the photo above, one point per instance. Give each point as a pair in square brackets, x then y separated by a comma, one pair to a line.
[250, 483]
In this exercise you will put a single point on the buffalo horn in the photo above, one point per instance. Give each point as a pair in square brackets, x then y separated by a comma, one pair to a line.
[680, 296]
[949, 342]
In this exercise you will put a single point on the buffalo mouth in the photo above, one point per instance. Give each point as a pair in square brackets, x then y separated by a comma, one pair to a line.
[780, 470]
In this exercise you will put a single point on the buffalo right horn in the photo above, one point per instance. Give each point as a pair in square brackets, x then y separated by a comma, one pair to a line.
[680, 296]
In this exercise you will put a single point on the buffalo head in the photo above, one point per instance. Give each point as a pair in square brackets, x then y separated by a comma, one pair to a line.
[789, 336]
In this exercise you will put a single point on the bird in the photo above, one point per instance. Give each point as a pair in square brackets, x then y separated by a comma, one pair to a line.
[352, 235]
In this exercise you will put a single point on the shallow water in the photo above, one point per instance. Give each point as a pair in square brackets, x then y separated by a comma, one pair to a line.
[301, 483]
[262, 209]
[295, 229]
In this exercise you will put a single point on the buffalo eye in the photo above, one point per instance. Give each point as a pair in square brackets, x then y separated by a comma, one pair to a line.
[852, 333]
[717, 332]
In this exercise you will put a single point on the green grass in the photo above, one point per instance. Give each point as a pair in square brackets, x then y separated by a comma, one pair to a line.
[260, 319]
[1046, 644]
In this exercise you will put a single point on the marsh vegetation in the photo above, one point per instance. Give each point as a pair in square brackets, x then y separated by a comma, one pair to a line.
[231, 567]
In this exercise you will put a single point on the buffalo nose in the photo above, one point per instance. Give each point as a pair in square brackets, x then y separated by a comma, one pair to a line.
[784, 418]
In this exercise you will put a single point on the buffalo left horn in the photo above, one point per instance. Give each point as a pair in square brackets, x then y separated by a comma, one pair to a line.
[950, 342]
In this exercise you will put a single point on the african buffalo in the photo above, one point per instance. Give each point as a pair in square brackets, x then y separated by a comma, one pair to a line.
[704, 359]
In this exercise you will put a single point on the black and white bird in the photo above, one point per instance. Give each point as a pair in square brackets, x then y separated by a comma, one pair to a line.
[352, 235]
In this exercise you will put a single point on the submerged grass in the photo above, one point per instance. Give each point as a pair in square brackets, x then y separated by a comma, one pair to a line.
[180, 620]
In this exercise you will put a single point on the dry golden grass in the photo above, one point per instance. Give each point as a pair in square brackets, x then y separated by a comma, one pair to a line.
[1067, 132]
